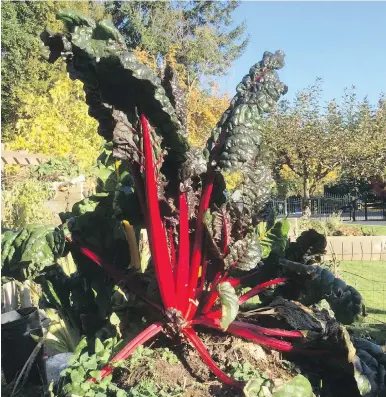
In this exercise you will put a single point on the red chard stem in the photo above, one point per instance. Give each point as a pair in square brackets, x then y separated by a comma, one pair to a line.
[158, 242]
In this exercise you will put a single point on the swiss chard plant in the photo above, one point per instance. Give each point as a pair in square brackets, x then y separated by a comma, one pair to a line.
[206, 242]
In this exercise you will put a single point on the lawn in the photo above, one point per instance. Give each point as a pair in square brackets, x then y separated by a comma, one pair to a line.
[369, 278]
[370, 229]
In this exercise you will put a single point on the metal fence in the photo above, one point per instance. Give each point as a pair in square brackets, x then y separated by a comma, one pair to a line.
[349, 208]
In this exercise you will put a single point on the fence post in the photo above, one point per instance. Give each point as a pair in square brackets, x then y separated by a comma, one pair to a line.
[384, 206]
[366, 208]
[285, 207]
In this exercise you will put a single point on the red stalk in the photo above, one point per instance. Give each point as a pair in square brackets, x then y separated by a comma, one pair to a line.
[226, 242]
[261, 339]
[197, 343]
[197, 248]
[258, 288]
[158, 241]
[182, 273]
[219, 277]
[172, 248]
[140, 339]
[215, 323]
[270, 331]
[233, 282]
[271, 342]
[203, 275]
[243, 298]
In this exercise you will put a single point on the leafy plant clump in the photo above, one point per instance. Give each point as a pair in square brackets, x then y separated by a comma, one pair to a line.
[165, 242]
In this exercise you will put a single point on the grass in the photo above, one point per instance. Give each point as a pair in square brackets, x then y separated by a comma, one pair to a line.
[370, 230]
[368, 277]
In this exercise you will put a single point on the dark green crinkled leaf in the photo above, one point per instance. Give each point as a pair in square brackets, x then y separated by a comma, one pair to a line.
[276, 239]
[246, 253]
[299, 386]
[308, 245]
[317, 283]
[211, 245]
[363, 377]
[27, 252]
[255, 189]
[229, 304]
[73, 18]
[175, 94]
[194, 165]
[236, 138]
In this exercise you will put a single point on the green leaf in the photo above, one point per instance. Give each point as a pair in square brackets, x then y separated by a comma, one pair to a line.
[106, 381]
[240, 127]
[276, 239]
[114, 319]
[299, 386]
[26, 253]
[78, 350]
[84, 358]
[258, 387]
[121, 393]
[229, 304]
[86, 386]
[96, 375]
[78, 375]
[246, 253]
[98, 346]
[91, 363]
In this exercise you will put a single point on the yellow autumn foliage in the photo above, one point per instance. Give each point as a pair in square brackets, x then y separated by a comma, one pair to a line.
[288, 175]
[58, 124]
[204, 111]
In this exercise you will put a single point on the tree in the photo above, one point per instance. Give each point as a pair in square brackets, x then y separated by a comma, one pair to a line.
[22, 69]
[312, 143]
[68, 129]
[197, 30]
[368, 144]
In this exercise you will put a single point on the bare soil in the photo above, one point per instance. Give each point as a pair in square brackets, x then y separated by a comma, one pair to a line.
[194, 377]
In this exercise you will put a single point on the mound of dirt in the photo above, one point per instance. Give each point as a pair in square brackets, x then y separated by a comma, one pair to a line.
[183, 373]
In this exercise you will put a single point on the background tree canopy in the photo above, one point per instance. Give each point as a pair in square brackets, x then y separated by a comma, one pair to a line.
[194, 35]
[313, 145]
[198, 31]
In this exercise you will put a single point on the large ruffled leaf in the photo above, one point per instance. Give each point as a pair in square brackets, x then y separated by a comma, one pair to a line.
[276, 239]
[236, 138]
[27, 252]
[315, 283]
[229, 304]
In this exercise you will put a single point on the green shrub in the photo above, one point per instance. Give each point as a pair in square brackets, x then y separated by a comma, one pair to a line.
[23, 204]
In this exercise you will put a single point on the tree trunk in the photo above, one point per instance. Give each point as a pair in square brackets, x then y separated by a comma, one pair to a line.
[306, 197]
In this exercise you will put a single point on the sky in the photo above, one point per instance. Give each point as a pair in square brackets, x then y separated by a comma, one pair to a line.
[344, 43]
